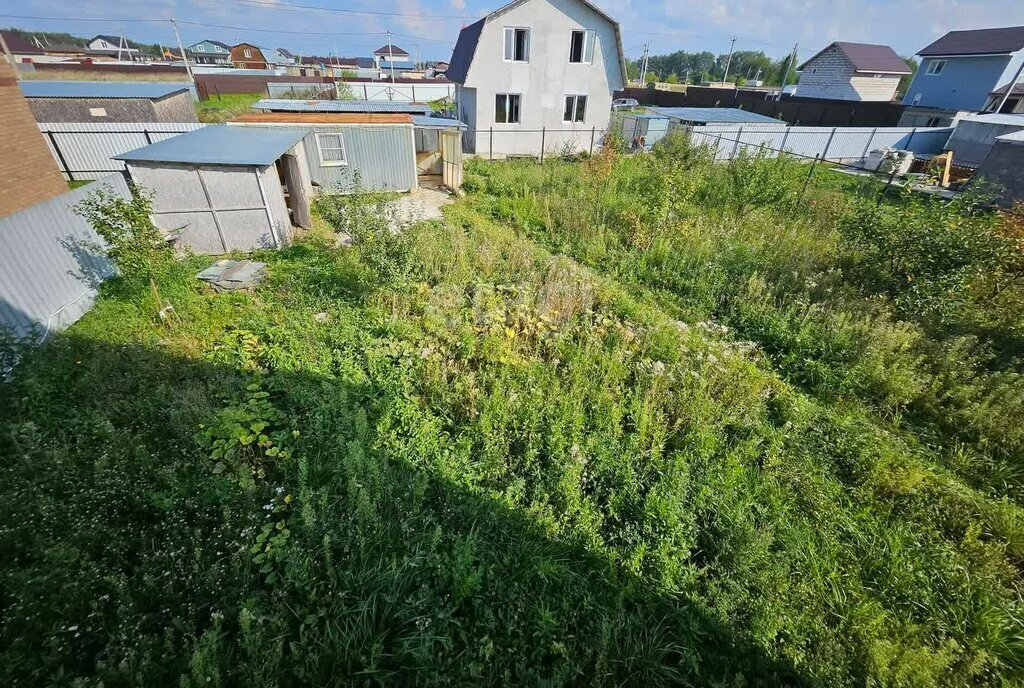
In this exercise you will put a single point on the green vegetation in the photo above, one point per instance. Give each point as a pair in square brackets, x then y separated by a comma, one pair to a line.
[221, 108]
[631, 420]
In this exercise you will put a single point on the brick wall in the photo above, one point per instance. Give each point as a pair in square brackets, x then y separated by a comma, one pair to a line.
[832, 75]
[30, 173]
[176, 108]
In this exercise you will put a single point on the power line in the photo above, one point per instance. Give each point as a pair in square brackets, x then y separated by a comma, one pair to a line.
[273, 5]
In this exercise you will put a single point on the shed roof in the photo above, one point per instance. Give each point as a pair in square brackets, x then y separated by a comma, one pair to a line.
[1015, 137]
[996, 118]
[426, 122]
[1006, 39]
[219, 145]
[323, 118]
[17, 43]
[390, 49]
[867, 57]
[101, 89]
[705, 115]
[285, 105]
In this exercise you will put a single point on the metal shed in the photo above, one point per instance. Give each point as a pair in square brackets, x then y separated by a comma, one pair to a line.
[1004, 167]
[651, 127]
[225, 188]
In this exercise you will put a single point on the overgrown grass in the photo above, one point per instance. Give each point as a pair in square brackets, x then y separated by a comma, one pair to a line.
[520, 446]
[221, 108]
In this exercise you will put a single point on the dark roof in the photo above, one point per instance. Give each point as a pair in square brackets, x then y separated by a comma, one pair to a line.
[116, 40]
[149, 90]
[707, 115]
[465, 47]
[219, 145]
[1007, 39]
[868, 57]
[1018, 89]
[19, 44]
[285, 52]
[390, 49]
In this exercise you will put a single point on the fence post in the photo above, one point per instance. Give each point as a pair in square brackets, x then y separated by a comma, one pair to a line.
[60, 156]
[149, 139]
[736, 146]
[782, 146]
[824, 155]
[543, 135]
[807, 180]
[414, 92]
[490, 147]
[593, 132]
[867, 146]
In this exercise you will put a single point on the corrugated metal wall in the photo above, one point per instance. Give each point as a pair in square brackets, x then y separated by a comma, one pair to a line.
[48, 277]
[833, 143]
[379, 158]
[83, 149]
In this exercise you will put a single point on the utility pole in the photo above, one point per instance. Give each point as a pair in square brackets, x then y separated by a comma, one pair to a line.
[1010, 86]
[391, 59]
[643, 68]
[728, 62]
[181, 49]
[785, 74]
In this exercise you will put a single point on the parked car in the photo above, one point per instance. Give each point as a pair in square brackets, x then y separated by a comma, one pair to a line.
[625, 104]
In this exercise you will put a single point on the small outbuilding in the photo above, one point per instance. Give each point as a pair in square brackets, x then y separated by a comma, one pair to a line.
[975, 135]
[224, 188]
[110, 101]
[1004, 167]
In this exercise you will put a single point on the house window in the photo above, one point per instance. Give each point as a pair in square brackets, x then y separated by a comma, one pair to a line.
[517, 44]
[575, 109]
[247, 53]
[200, 48]
[581, 47]
[935, 67]
[331, 148]
[506, 108]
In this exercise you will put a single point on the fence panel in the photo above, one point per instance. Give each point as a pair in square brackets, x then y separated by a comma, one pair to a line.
[400, 92]
[48, 273]
[84, 150]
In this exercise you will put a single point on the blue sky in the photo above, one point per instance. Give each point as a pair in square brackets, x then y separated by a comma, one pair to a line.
[357, 27]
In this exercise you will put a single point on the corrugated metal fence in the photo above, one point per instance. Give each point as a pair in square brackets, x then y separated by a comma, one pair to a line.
[83, 150]
[50, 264]
[828, 143]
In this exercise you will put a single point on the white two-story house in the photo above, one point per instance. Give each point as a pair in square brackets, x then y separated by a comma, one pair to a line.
[537, 75]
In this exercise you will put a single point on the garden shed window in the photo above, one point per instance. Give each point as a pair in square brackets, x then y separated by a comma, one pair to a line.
[331, 148]
[517, 44]
[506, 108]
[575, 109]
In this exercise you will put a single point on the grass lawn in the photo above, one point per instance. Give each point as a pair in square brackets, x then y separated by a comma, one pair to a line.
[627, 421]
[225, 107]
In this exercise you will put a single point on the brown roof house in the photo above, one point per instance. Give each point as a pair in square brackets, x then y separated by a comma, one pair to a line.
[31, 175]
[852, 71]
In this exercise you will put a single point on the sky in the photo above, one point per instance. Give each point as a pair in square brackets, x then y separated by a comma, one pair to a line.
[429, 28]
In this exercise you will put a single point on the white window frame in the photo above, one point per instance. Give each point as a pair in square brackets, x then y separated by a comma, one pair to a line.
[589, 41]
[507, 97]
[575, 107]
[200, 48]
[320, 150]
[505, 43]
[246, 53]
[935, 67]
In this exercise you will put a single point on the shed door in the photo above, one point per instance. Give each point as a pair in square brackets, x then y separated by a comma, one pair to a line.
[451, 158]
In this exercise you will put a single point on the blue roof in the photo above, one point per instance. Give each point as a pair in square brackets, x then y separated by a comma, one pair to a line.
[100, 89]
[712, 115]
[285, 105]
[220, 145]
[424, 121]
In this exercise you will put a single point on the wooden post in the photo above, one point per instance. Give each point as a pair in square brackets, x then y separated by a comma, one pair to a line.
[828, 144]
[736, 146]
[593, 132]
[543, 136]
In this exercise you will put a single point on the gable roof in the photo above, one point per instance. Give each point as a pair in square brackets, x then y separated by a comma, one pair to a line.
[465, 46]
[116, 40]
[1007, 39]
[17, 43]
[867, 57]
[208, 40]
[390, 49]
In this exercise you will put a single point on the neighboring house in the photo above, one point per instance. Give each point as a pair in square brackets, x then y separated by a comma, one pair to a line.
[1014, 104]
[121, 47]
[389, 53]
[249, 56]
[208, 52]
[31, 174]
[852, 71]
[959, 72]
[436, 69]
[109, 101]
[32, 49]
[537, 75]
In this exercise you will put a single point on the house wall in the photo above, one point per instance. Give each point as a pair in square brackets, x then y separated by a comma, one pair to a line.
[545, 80]
[964, 83]
[254, 61]
[832, 75]
[382, 157]
[30, 172]
[1005, 167]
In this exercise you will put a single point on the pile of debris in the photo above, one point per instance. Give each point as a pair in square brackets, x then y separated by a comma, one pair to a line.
[232, 275]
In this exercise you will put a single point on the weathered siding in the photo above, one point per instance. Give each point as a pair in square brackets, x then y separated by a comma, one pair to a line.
[173, 108]
[382, 157]
[49, 266]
